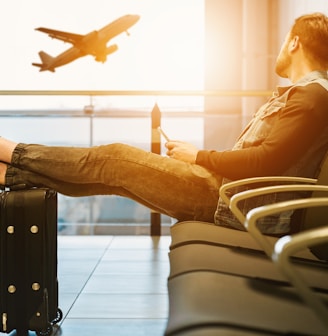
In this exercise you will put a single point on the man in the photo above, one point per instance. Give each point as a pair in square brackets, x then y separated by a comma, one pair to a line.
[287, 136]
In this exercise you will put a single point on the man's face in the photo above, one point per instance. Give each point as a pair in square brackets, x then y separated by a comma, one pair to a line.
[283, 61]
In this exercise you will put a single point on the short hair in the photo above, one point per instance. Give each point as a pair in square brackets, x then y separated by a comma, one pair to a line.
[312, 30]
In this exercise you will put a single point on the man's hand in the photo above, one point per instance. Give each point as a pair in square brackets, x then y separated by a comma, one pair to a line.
[182, 151]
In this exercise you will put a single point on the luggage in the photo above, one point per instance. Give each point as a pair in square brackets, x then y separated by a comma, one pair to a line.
[28, 261]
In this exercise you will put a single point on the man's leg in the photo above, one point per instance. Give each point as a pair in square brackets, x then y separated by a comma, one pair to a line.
[172, 187]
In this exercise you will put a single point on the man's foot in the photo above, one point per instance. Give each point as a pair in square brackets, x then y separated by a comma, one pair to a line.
[6, 149]
[3, 170]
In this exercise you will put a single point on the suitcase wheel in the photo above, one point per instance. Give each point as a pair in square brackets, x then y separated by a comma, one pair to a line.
[46, 332]
[59, 317]
[49, 330]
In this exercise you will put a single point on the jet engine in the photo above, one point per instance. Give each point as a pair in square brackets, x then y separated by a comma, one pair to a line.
[102, 56]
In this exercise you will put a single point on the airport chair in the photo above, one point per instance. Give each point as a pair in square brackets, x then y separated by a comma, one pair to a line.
[201, 232]
[280, 253]
[209, 262]
[242, 252]
[195, 231]
[221, 300]
[238, 305]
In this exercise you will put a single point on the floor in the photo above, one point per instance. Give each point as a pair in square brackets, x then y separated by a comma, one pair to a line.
[112, 285]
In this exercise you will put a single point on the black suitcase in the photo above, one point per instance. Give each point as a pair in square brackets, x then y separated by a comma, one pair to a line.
[28, 261]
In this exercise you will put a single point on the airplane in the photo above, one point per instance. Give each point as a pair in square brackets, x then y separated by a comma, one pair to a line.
[93, 43]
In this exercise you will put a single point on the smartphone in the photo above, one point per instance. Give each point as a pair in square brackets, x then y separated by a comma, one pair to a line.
[164, 135]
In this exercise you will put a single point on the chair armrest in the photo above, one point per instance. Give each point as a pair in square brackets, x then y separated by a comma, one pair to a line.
[287, 246]
[266, 179]
[243, 195]
[271, 209]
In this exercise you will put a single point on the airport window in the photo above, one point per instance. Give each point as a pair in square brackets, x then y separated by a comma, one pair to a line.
[162, 50]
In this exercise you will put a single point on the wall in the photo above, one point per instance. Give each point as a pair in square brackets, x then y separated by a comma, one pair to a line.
[240, 48]
[242, 41]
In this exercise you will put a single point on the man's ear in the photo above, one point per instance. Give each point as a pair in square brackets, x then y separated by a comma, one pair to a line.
[294, 43]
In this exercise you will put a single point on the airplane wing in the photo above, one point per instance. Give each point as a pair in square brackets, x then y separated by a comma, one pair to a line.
[60, 35]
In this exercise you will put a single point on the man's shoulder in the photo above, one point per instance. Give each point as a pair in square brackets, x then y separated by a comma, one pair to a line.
[312, 98]
[317, 90]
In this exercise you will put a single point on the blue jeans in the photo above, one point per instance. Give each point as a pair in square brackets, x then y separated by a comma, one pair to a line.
[180, 190]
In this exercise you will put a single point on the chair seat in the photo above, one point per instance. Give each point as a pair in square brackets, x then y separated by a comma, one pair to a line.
[208, 298]
[195, 231]
[241, 261]
[190, 232]
[222, 331]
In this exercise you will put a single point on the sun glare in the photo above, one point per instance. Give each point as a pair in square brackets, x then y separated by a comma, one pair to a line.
[163, 51]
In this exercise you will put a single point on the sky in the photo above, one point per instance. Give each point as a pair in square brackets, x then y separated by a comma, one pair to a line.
[164, 49]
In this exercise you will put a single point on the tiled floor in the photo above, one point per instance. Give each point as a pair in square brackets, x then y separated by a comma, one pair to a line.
[113, 285]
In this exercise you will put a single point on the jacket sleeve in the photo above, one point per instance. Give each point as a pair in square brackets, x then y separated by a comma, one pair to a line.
[297, 127]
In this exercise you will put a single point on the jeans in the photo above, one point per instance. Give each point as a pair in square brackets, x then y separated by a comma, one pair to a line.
[180, 190]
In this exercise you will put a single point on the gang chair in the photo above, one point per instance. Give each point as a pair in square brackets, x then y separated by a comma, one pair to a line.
[230, 282]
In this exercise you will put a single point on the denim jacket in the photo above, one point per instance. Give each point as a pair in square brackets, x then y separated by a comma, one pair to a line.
[256, 130]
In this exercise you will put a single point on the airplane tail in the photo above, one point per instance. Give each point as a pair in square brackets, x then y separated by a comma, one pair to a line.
[46, 61]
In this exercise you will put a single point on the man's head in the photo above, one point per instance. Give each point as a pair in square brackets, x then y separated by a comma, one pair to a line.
[310, 35]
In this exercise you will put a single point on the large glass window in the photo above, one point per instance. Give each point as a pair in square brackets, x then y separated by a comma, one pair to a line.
[162, 51]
